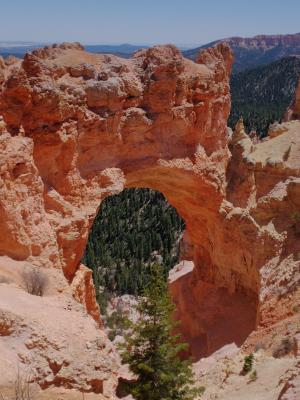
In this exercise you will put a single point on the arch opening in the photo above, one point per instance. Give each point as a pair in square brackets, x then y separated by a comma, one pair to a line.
[213, 304]
[132, 230]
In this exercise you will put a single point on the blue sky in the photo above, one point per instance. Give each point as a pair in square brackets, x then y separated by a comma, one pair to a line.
[145, 21]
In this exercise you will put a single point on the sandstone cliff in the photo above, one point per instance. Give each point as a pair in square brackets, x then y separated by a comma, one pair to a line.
[78, 127]
[258, 50]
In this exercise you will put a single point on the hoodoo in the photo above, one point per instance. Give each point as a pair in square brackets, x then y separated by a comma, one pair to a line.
[78, 127]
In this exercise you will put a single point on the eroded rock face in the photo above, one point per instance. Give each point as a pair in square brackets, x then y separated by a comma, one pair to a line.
[25, 229]
[53, 342]
[95, 124]
[79, 127]
[260, 227]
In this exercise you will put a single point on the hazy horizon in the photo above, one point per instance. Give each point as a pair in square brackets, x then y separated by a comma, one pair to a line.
[21, 43]
[138, 22]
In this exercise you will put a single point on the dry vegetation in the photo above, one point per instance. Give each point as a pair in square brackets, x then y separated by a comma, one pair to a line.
[35, 281]
[22, 387]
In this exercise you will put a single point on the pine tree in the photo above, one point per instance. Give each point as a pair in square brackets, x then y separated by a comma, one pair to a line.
[152, 349]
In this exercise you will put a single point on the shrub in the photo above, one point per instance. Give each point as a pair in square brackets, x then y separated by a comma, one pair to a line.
[253, 376]
[284, 348]
[117, 323]
[22, 387]
[296, 309]
[35, 281]
[259, 346]
[201, 390]
[295, 217]
[248, 364]
[3, 279]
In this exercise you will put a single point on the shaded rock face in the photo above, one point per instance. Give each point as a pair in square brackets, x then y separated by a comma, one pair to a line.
[293, 112]
[78, 127]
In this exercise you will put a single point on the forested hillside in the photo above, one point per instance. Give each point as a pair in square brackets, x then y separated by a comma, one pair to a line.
[261, 95]
[132, 230]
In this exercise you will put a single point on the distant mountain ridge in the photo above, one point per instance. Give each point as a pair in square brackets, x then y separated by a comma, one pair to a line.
[249, 52]
[18, 49]
[260, 41]
[19, 43]
[255, 51]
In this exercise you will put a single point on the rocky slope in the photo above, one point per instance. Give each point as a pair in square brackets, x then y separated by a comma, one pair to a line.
[258, 50]
[43, 338]
[78, 127]
[220, 375]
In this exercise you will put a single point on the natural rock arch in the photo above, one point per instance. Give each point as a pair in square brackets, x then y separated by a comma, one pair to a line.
[79, 127]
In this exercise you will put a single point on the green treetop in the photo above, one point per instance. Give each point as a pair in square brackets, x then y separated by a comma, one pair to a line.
[152, 349]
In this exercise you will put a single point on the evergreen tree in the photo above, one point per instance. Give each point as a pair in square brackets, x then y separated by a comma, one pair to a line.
[262, 94]
[152, 349]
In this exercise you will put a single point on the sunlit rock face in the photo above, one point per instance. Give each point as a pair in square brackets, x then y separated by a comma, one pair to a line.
[78, 127]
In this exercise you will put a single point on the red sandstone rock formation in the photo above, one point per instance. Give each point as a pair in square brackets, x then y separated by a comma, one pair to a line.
[97, 124]
[79, 127]
[258, 228]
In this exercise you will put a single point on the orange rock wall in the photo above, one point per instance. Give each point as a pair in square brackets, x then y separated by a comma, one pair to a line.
[79, 127]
